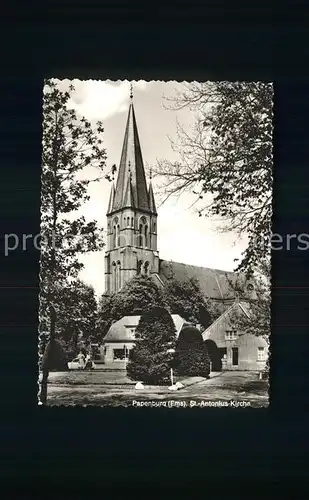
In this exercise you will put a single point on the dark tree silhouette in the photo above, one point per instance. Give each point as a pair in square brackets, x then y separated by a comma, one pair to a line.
[150, 361]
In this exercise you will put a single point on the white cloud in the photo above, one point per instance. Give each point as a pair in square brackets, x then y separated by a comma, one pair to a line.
[96, 100]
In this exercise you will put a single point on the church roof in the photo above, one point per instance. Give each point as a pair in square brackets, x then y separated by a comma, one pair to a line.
[120, 331]
[111, 199]
[214, 283]
[131, 163]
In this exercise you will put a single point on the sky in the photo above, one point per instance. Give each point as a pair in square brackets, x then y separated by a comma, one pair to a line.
[182, 235]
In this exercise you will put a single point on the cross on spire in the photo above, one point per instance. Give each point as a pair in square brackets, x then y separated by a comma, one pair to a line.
[131, 91]
[150, 173]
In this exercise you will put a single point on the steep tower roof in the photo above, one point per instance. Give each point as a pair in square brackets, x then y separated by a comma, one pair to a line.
[131, 161]
[111, 199]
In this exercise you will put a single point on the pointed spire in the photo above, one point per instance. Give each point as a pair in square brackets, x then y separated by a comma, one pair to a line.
[131, 153]
[151, 199]
[111, 199]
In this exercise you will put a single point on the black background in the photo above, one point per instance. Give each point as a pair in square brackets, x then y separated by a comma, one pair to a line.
[101, 450]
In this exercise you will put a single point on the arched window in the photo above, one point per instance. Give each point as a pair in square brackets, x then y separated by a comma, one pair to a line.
[146, 267]
[146, 236]
[132, 222]
[118, 236]
[118, 275]
[140, 243]
[114, 236]
[139, 266]
[114, 277]
[154, 226]
[128, 221]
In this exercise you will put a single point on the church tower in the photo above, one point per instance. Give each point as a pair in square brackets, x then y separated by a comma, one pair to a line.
[131, 216]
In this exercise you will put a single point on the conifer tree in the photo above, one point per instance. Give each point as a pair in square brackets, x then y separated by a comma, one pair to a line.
[155, 335]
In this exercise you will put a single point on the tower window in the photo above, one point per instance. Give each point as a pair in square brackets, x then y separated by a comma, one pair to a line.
[132, 222]
[118, 235]
[146, 267]
[118, 275]
[114, 277]
[114, 237]
[154, 227]
[140, 243]
[128, 221]
[146, 235]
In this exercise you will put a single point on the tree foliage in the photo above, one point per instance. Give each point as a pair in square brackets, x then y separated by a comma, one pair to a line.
[77, 309]
[150, 360]
[54, 357]
[136, 296]
[71, 145]
[141, 293]
[258, 321]
[191, 357]
[186, 299]
[227, 159]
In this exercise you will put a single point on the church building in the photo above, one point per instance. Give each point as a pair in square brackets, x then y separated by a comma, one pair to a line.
[132, 229]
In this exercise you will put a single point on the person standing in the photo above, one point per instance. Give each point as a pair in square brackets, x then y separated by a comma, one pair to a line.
[81, 360]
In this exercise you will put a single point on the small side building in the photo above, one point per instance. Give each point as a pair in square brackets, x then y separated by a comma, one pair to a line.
[230, 349]
[120, 338]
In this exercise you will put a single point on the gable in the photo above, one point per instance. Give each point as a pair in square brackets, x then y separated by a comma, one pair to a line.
[217, 330]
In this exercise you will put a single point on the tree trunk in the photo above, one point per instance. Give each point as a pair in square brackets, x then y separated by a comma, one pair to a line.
[43, 392]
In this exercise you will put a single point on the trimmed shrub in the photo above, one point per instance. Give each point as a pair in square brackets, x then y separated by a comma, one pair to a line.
[150, 361]
[191, 356]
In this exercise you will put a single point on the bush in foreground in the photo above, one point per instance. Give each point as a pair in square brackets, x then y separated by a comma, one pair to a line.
[191, 358]
[150, 361]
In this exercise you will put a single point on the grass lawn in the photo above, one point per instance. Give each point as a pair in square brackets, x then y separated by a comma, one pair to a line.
[95, 377]
[115, 389]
